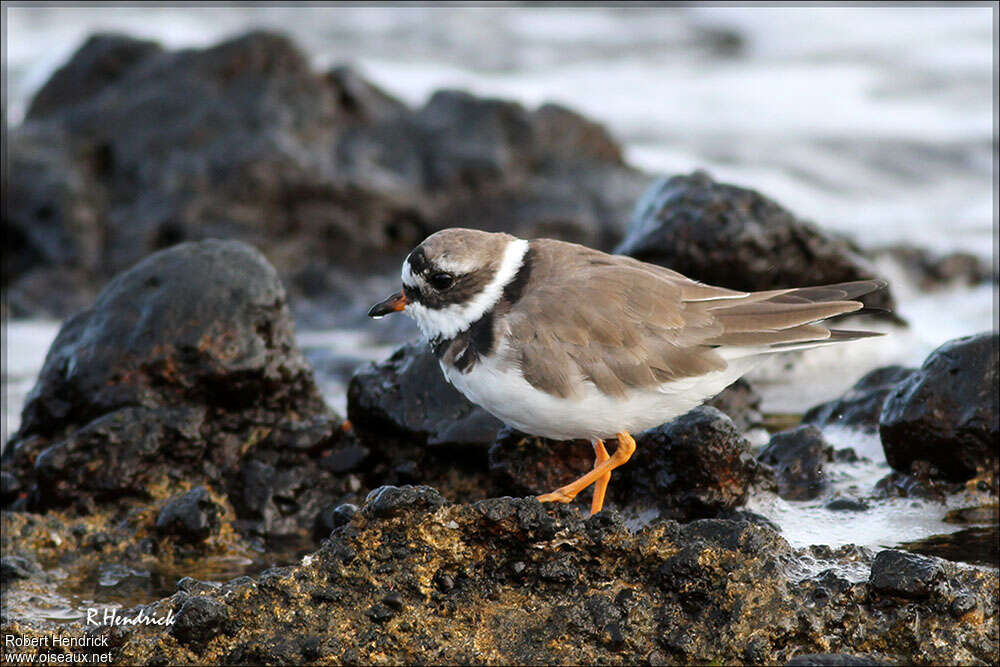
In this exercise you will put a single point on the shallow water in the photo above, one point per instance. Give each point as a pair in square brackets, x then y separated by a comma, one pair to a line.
[885, 523]
[115, 585]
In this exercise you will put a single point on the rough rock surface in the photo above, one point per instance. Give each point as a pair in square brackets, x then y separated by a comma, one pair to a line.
[797, 457]
[698, 465]
[905, 574]
[741, 403]
[408, 395]
[191, 516]
[861, 406]
[130, 148]
[184, 370]
[511, 581]
[945, 414]
[931, 271]
[832, 660]
[737, 238]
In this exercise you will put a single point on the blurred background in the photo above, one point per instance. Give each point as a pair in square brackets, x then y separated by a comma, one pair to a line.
[873, 120]
[875, 123]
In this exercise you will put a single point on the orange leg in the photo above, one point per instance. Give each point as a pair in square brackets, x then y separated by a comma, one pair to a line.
[626, 447]
[601, 485]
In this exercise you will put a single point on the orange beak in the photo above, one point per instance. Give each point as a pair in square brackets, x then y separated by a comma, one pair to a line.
[393, 304]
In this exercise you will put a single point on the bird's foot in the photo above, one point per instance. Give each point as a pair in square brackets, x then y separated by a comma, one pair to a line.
[601, 475]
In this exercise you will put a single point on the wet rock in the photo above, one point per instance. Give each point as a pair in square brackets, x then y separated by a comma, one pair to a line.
[697, 465]
[932, 271]
[17, 567]
[530, 465]
[832, 660]
[407, 395]
[741, 403]
[201, 322]
[710, 591]
[127, 443]
[312, 434]
[184, 370]
[345, 458]
[191, 517]
[945, 414]
[904, 574]
[750, 517]
[199, 620]
[193, 586]
[861, 406]
[101, 61]
[387, 501]
[979, 514]
[797, 457]
[270, 497]
[334, 517]
[694, 466]
[901, 485]
[847, 455]
[10, 488]
[847, 505]
[250, 143]
[737, 238]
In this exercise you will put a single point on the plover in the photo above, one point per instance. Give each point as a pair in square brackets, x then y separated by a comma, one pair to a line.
[566, 342]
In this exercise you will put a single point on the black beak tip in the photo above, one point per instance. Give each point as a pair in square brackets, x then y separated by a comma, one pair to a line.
[393, 304]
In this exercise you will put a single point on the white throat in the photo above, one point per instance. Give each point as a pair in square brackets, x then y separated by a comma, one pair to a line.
[451, 320]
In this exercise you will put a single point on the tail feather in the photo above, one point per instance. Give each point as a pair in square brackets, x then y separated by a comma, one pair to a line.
[783, 320]
[769, 316]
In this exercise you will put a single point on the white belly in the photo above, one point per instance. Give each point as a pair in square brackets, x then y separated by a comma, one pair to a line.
[509, 397]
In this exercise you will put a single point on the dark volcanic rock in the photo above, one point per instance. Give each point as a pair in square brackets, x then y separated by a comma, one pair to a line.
[697, 465]
[10, 488]
[408, 395]
[100, 62]
[334, 517]
[945, 414]
[185, 369]
[741, 403]
[931, 271]
[847, 505]
[202, 323]
[387, 501]
[861, 406]
[116, 454]
[190, 517]
[832, 660]
[905, 574]
[694, 466]
[510, 581]
[797, 457]
[130, 148]
[200, 619]
[18, 567]
[737, 238]
[902, 485]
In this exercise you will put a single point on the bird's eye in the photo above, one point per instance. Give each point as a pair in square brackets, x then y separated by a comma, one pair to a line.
[441, 280]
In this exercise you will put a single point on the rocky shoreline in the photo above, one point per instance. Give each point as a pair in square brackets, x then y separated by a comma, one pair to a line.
[177, 428]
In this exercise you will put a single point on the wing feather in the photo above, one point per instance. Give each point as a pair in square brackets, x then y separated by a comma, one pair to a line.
[619, 323]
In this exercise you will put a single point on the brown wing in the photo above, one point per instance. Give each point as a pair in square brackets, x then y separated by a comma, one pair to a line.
[619, 322]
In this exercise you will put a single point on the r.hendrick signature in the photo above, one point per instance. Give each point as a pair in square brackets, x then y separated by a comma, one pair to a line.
[112, 617]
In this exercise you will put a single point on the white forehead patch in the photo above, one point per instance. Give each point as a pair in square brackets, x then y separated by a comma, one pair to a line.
[451, 320]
